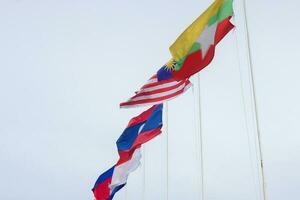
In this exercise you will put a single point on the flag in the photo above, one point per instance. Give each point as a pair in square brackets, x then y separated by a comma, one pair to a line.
[194, 49]
[140, 129]
[159, 88]
[101, 189]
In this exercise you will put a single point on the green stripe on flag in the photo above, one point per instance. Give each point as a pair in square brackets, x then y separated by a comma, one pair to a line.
[225, 11]
[196, 46]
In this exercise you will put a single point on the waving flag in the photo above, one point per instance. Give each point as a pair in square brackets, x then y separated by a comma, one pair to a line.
[140, 129]
[159, 88]
[102, 189]
[194, 49]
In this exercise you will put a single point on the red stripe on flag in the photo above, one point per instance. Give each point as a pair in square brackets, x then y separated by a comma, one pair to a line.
[155, 100]
[146, 136]
[159, 90]
[157, 83]
[126, 155]
[141, 139]
[194, 62]
[141, 118]
[102, 191]
[223, 28]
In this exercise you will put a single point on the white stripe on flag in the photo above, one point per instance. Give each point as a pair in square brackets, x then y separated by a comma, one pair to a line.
[152, 80]
[159, 87]
[152, 96]
[156, 102]
[157, 92]
[122, 171]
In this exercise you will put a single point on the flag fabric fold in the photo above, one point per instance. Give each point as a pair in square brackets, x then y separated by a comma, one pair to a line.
[140, 130]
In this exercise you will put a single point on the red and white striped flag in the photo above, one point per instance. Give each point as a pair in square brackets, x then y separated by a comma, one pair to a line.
[159, 88]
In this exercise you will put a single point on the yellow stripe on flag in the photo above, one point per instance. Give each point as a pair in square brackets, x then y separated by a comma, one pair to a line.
[185, 41]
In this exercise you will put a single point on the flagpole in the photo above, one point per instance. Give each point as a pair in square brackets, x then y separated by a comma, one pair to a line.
[261, 157]
[165, 157]
[144, 174]
[199, 139]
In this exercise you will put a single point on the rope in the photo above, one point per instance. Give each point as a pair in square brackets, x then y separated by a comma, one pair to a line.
[245, 111]
[253, 91]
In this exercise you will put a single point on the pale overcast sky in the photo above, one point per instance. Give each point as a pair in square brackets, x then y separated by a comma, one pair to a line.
[66, 65]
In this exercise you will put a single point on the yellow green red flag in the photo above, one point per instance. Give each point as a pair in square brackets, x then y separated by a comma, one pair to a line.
[194, 48]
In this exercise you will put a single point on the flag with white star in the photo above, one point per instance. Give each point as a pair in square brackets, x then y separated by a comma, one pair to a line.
[195, 47]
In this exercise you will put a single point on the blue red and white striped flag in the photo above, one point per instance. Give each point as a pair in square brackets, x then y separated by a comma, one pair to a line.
[102, 189]
[159, 88]
[140, 130]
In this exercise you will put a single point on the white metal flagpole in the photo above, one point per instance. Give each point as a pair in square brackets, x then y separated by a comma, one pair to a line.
[165, 154]
[198, 140]
[144, 173]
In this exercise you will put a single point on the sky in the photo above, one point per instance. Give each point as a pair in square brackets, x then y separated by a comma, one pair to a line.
[66, 65]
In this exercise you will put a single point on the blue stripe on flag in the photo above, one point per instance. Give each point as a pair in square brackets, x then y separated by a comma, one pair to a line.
[128, 137]
[115, 191]
[155, 119]
[104, 176]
